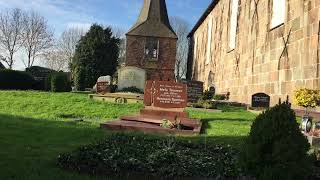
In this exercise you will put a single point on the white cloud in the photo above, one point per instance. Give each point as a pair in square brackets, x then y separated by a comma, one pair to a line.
[58, 12]
[84, 26]
[61, 14]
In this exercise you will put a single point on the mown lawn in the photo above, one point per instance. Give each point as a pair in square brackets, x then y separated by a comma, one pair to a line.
[35, 127]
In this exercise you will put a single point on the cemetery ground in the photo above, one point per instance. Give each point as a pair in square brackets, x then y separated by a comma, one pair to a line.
[35, 127]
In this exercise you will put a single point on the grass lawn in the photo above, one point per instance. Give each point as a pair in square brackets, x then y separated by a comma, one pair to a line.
[37, 126]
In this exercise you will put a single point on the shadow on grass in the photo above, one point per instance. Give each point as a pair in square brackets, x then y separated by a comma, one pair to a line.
[235, 141]
[30, 146]
[236, 120]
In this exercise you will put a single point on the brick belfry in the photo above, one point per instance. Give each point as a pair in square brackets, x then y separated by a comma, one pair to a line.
[151, 42]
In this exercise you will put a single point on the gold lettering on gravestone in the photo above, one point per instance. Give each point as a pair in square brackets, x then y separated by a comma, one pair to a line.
[170, 95]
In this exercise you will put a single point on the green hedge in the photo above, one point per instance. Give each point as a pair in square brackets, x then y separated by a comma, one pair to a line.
[59, 82]
[16, 80]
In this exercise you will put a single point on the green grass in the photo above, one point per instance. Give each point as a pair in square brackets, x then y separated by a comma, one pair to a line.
[35, 127]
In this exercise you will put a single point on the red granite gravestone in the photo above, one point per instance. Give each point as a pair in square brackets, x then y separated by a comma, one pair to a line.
[102, 87]
[164, 100]
[170, 95]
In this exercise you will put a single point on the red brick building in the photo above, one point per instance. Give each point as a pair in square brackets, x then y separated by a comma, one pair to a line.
[151, 42]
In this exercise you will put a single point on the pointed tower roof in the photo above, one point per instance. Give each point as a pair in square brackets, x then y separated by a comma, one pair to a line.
[153, 21]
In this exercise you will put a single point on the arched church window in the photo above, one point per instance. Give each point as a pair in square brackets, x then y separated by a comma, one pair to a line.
[152, 48]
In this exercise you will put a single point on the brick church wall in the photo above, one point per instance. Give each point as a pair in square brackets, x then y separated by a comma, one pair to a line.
[161, 69]
[259, 63]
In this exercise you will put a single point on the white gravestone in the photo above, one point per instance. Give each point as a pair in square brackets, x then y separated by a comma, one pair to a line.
[106, 79]
[131, 77]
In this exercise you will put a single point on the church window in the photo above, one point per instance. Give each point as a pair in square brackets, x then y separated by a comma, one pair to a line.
[152, 48]
[278, 13]
[209, 40]
[233, 24]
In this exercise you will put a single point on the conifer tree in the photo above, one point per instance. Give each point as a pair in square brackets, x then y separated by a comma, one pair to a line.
[96, 55]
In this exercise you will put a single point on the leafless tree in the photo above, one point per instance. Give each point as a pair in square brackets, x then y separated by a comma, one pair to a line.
[181, 27]
[11, 28]
[55, 59]
[67, 44]
[120, 33]
[37, 36]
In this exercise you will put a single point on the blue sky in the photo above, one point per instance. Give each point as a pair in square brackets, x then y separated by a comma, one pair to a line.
[62, 14]
[120, 13]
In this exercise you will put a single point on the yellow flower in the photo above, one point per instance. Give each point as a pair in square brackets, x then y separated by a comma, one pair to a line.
[307, 98]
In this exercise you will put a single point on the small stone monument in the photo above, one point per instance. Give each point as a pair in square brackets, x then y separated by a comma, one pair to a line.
[131, 77]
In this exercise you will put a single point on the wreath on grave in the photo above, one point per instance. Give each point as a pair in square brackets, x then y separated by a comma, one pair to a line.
[176, 124]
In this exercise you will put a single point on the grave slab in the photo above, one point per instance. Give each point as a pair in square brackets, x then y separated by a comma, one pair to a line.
[164, 101]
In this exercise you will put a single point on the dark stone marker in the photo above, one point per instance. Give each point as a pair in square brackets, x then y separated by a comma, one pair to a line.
[194, 89]
[260, 100]
[170, 94]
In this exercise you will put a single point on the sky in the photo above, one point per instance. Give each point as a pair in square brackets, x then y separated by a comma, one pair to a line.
[62, 14]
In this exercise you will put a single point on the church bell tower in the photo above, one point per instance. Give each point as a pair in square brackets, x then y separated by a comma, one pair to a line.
[152, 43]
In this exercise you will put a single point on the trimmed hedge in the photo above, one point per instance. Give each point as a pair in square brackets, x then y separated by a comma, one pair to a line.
[16, 80]
[41, 75]
[59, 82]
[165, 157]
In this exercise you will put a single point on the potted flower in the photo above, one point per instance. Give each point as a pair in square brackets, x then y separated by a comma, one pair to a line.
[308, 99]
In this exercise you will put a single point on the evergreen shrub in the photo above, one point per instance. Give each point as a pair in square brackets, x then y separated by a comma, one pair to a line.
[275, 148]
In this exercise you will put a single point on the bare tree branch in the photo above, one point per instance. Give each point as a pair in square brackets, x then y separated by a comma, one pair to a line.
[11, 39]
[120, 33]
[37, 36]
[67, 44]
[181, 27]
[56, 60]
